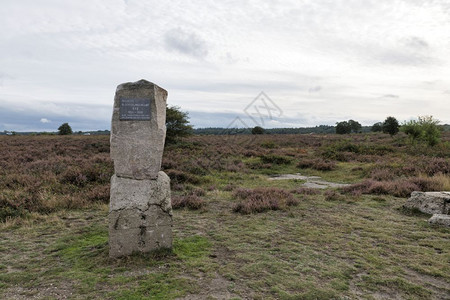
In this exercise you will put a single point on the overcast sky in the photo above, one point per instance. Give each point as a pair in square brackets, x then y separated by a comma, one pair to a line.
[318, 61]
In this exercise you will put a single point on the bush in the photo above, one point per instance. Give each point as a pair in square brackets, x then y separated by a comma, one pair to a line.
[262, 199]
[178, 177]
[306, 191]
[275, 159]
[268, 145]
[317, 164]
[257, 130]
[398, 188]
[333, 195]
[424, 129]
[189, 201]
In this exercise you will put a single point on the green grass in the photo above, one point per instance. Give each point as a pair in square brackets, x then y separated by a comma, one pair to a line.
[317, 250]
[79, 258]
[350, 247]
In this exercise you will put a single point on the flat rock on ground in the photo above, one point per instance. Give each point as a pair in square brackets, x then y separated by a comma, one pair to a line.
[314, 182]
[440, 219]
[430, 202]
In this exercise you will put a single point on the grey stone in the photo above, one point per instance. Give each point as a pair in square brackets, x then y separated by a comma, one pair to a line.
[440, 219]
[429, 202]
[140, 210]
[137, 145]
[131, 218]
[134, 240]
[140, 215]
[140, 194]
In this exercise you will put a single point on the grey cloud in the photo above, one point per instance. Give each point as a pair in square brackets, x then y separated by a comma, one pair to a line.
[4, 77]
[315, 89]
[186, 43]
[416, 43]
[404, 58]
[412, 51]
[390, 96]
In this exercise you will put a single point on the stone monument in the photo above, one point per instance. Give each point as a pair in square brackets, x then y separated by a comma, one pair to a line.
[140, 211]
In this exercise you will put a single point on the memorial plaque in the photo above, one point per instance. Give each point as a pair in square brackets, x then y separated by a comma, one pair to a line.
[135, 109]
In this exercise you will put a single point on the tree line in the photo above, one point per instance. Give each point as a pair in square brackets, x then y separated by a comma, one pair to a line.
[425, 129]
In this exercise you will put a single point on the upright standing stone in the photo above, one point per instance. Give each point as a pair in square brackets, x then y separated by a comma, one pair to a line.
[138, 129]
[140, 213]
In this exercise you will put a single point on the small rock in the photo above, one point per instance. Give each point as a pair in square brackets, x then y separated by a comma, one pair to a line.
[429, 202]
[440, 219]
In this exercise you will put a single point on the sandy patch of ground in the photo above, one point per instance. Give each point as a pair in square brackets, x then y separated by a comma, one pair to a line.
[314, 182]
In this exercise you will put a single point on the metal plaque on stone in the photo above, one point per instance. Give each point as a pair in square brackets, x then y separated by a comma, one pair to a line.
[134, 109]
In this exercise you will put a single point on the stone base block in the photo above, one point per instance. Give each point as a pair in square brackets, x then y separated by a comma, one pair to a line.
[133, 193]
[123, 242]
[140, 215]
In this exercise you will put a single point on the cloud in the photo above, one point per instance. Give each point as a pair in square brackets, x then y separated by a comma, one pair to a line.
[416, 43]
[64, 60]
[186, 43]
[389, 96]
[315, 89]
[44, 120]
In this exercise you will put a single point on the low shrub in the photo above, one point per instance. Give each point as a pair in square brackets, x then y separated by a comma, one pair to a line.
[317, 164]
[333, 195]
[189, 201]
[198, 192]
[275, 159]
[435, 165]
[74, 176]
[269, 145]
[229, 187]
[397, 188]
[382, 174]
[262, 199]
[342, 150]
[99, 193]
[177, 176]
[305, 191]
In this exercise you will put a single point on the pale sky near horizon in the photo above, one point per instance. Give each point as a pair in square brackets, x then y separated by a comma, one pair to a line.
[319, 61]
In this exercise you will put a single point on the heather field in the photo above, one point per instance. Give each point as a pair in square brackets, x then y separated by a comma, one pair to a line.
[237, 233]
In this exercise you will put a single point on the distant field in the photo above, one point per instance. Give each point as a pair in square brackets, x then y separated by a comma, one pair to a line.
[237, 234]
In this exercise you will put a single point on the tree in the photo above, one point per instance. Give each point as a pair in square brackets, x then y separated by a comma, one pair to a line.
[64, 129]
[412, 129]
[177, 124]
[343, 127]
[391, 126]
[377, 127]
[258, 130]
[355, 126]
[424, 129]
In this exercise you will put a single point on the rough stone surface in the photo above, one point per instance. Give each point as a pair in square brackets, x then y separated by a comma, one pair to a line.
[144, 239]
[137, 146]
[140, 194]
[140, 215]
[440, 219]
[140, 211]
[430, 202]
